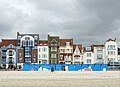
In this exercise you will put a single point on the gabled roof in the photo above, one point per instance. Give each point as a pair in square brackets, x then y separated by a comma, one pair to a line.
[63, 42]
[79, 46]
[6, 42]
[53, 39]
[43, 43]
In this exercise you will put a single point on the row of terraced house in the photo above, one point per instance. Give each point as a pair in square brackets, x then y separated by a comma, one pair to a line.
[30, 49]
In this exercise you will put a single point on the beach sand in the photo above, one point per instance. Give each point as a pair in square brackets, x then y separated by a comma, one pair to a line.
[59, 79]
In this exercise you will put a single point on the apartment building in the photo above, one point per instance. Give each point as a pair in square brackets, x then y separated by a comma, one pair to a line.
[27, 48]
[53, 43]
[8, 53]
[77, 54]
[66, 51]
[43, 52]
[111, 51]
[99, 54]
[88, 56]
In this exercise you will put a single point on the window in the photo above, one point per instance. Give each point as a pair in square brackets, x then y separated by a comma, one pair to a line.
[30, 43]
[44, 61]
[66, 58]
[27, 54]
[34, 59]
[27, 48]
[111, 47]
[82, 57]
[67, 50]
[111, 52]
[3, 53]
[99, 49]
[20, 60]
[53, 44]
[99, 55]
[19, 37]
[76, 58]
[27, 60]
[27, 51]
[10, 60]
[34, 54]
[39, 49]
[70, 57]
[53, 49]
[53, 56]
[3, 60]
[35, 37]
[45, 44]
[89, 61]
[24, 43]
[111, 59]
[11, 53]
[88, 54]
[53, 61]
[27, 38]
[44, 49]
[44, 55]
[88, 48]
[20, 54]
[67, 43]
[39, 55]
[61, 50]
[77, 51]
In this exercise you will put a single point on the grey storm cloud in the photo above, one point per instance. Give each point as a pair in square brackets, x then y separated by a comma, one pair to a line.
[86, 21]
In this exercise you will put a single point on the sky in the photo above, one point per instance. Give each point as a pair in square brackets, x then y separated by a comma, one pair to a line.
[86, 21]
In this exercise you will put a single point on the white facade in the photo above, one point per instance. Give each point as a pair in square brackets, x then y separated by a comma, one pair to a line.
[99, 55]
[111, 51]
[11, 55]
[118, 57]
[43, 55]
[77, 56]
[88, 58]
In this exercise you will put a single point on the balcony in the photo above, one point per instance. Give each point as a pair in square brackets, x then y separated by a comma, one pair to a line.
[3, 60]
[4, 48]
[76, 58]
[3, 54]
[68, 59]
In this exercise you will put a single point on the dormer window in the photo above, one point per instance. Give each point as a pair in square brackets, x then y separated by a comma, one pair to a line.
[40, 43]
[25, 38]
[19, 37]
[88, 48]
[35, 37]
[45, 44]
[67, 43]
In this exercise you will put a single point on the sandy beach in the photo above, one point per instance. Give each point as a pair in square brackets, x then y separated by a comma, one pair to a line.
[59, 79]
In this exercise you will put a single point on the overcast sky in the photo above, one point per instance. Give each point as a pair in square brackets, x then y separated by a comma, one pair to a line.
[86, 21]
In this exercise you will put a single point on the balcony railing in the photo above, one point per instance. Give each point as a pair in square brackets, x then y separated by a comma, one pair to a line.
[68, 59]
